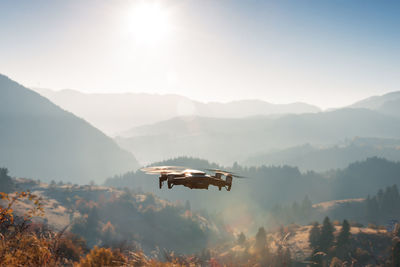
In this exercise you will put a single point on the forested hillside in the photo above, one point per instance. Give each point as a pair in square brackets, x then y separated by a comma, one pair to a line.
[271, 188]
[83, 225]
[110, 218]
[266, 183]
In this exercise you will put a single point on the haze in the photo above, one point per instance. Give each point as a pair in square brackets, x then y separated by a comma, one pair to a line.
[325, 53]
[279, 121]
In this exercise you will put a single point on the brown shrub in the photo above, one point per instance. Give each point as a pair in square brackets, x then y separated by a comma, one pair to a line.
[102, 257]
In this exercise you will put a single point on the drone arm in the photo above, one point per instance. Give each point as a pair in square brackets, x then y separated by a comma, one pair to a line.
[229, 182]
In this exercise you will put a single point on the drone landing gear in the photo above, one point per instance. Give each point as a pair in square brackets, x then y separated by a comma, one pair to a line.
[170, 185]
[219, 188]
[160, 184]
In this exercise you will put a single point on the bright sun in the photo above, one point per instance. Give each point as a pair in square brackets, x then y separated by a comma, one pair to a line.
[149, 23]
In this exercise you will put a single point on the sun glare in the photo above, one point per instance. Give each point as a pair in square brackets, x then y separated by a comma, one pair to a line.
[149, 23]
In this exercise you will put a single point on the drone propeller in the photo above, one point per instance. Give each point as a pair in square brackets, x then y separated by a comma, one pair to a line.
[162, 169]
[226, 173]
[218, 171]
[240, 177]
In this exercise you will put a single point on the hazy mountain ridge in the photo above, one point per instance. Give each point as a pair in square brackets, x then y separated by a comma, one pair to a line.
[116, 113]
[228, 140]
[309, 157]
[388, 103]
[218, 131]
[39, 139]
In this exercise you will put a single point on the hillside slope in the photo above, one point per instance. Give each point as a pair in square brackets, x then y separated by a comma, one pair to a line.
[105, 216]
[39, 139]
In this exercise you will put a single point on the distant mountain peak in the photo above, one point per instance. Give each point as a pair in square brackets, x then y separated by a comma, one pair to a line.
[388, 103]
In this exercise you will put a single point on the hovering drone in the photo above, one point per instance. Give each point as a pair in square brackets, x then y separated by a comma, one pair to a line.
[194, 179]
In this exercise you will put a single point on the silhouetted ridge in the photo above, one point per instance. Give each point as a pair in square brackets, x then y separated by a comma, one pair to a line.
[39, 139]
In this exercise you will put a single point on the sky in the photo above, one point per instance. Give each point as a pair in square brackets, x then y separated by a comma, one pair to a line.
[329, 53]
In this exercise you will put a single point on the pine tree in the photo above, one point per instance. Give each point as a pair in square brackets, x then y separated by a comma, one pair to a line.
[306, 208]
[241, 239]
[327, 236]
[396, 231]
[92, 225]
[373, 211]
[396, 254]
[344, 235]
[287, 258]
[315, 236]
[282, 257]
[261, 239]
[6, 183]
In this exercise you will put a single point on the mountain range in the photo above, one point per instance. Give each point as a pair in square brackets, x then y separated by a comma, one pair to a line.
[158, 127]
[388, 103]
[310, 157]
[228, 140]
[116, 113]
[39, 139]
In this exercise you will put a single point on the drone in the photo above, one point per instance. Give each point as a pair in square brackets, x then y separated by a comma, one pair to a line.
[194, 179]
